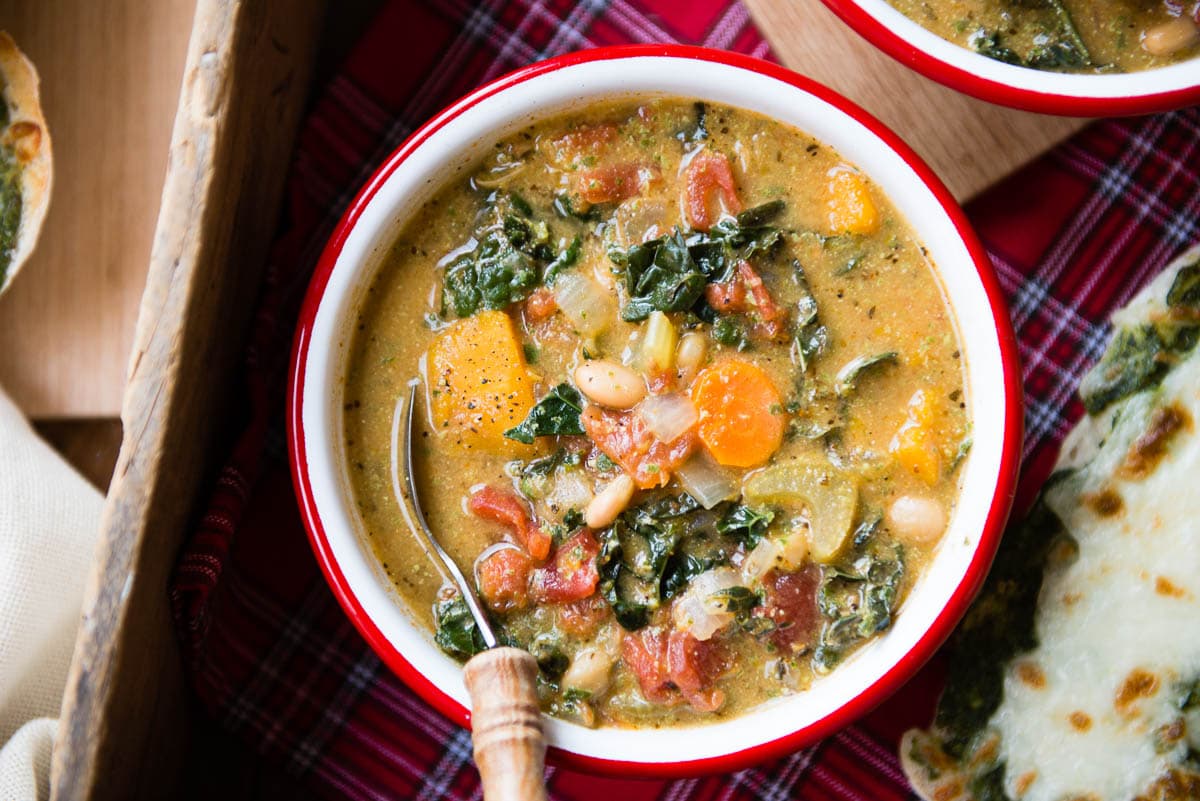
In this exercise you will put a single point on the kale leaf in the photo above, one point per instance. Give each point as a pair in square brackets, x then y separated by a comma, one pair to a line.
[698, 131]
[557, 413]
[511, 256]
[669, 273]
[745, 523]
[637, 566]
[847, 377]
[857, 600]
[455, 629]
[566, 259]
[811, 338]
[1133, 361]
[661, 276]
[987, 43]
[1184, 293]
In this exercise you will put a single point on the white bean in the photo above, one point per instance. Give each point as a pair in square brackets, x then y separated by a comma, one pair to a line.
[609, 502]
[610, 384]
[589, 671]
[693, 347]
[918, 520]
[1170, 37]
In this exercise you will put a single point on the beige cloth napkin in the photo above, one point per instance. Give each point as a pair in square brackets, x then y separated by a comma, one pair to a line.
[49, 518]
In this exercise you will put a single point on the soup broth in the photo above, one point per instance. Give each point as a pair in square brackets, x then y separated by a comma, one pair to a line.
[694, 408]
[1066, 35]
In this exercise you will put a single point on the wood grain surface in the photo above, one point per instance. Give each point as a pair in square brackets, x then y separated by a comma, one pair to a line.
[968, 142]
[506, 724]
[122, 733]
[110, 75]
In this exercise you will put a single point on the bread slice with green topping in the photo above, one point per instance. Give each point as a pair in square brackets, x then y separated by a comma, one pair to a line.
[1076, 673]
[25, 160]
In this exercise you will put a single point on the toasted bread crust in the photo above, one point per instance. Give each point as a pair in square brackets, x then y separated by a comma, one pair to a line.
[29, 138]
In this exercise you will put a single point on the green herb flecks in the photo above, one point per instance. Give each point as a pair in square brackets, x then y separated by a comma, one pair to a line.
[10, 205]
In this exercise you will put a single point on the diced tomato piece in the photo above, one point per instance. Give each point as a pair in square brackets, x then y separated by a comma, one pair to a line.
[612, 184]
[708, 174]
[583, 617]
[624, 438]
[504, 580]
[791, 604]
[676, 667]
[660, 381]
[727, 296]
[693, 665]
[540, 305]
[586, 140]
[506, 508]
[746, 292]
[572, 575]
[645, 653]
[771, 317]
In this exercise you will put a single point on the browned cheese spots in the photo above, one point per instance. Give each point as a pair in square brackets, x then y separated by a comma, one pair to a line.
[1138, 684]
[1031, 674]
[1149, 449]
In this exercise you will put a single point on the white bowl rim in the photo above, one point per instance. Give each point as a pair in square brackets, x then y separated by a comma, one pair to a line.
[1088, 95]
[368, 227]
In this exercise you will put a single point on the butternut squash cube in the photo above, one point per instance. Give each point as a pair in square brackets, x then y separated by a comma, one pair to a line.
[916, 442]
[479, 383]
[848, 204]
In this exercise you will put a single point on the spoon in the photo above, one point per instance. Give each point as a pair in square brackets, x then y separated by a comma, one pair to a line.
[506, 721]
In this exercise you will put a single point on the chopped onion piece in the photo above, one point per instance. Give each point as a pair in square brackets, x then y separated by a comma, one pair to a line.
[589, 308]
[758, 562]
[693, 613]
[570, 489]
[707, 482]
[498, 175]
[668, 416]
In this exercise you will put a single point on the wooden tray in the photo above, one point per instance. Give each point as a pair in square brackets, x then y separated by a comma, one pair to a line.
[124, 721]
[247, 71]
[969, 143]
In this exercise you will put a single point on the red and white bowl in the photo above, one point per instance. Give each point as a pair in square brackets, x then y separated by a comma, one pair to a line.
[445, 148]
[1108, 95]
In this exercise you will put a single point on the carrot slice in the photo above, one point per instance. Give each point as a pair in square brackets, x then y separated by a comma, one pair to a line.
[708, 174]
[741, 420]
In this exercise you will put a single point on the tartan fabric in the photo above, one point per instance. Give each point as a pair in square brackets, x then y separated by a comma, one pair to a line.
[269, 652]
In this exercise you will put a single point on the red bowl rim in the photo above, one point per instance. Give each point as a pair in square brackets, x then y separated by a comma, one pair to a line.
[903, 669]
[929, 65]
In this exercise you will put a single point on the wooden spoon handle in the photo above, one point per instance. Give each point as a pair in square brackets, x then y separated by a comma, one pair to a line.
[506, 724]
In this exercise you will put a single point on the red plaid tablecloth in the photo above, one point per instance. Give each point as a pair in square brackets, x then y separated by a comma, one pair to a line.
[270, 653]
